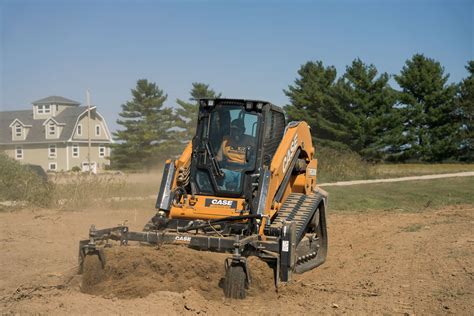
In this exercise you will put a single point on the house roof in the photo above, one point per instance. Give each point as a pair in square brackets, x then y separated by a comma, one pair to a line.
[36, 133]
[54, 99]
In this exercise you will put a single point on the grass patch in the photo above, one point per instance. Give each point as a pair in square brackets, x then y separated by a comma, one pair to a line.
[405, 196]
[336, 165]
[404, 170]
[340, 165]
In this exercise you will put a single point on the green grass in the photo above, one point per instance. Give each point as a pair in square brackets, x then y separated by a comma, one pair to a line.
[403, 170]
[346, 169]
[404, 196]
[336, 165]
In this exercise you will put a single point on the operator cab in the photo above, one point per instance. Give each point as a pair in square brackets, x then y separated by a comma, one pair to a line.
[234, 140]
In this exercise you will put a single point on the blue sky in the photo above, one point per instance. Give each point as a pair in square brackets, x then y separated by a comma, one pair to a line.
[249, 49]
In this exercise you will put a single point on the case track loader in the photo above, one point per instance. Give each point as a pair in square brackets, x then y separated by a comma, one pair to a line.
[245, 185]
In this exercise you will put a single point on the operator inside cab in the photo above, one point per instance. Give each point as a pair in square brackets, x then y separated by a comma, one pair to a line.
[233, 150]
[234, 153]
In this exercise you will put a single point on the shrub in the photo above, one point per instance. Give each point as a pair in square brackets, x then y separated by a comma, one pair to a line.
[20, 183]
[76, 169]
[342, 165]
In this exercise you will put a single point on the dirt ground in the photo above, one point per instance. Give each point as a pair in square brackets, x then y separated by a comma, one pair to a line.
[378, 263]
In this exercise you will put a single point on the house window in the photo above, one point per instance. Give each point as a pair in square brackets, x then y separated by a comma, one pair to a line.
[97, 130]
[75, 151]
[51, 129]
[79, 130]
[52, 166]
[43, 109]
[19, 152]
[52, 151]
[18, 130]
[101, 151]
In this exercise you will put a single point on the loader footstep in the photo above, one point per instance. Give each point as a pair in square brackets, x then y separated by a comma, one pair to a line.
[93, 273]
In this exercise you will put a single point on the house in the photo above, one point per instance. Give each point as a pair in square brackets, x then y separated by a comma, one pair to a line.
[54, 135]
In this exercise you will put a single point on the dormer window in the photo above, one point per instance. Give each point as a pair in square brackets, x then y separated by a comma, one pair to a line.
[18, 130]
[52, 128]
[43, 109]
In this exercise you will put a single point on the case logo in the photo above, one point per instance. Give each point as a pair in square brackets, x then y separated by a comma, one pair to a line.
[289, 154]
[182, 239]
[221, 203]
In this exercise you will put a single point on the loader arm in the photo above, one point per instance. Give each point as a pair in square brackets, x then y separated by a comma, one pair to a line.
[176, 173]
[295, 145]
[183, 162]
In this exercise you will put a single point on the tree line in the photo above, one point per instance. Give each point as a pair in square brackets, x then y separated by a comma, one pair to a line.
[424, 119]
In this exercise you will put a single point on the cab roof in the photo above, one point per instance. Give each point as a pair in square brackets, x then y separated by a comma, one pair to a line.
[230, 101]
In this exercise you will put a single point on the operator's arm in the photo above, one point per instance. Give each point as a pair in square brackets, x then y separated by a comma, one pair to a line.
[220, 155]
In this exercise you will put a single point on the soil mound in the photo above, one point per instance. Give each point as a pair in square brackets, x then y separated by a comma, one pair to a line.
[134, 271]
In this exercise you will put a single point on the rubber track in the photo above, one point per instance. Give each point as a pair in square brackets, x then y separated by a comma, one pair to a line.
[300, 208]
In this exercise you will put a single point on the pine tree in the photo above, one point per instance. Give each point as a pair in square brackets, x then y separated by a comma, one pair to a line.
[188, 111]
[370, 100]
[466, 115]
[312, 99]
[428, 108]
[145, 139]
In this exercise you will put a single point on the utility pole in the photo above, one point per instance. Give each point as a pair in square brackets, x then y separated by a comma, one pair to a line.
[88, 97]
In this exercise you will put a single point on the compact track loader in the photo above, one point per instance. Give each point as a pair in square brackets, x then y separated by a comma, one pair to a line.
[245, 185]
